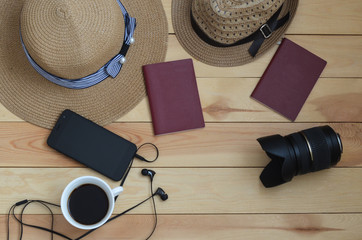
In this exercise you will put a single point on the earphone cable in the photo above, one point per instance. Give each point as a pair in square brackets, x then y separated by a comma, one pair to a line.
[8, 230]
[44, 204]
[27, 202]
[116, 216]
[144, 159]
[155, 212]
[140, 158]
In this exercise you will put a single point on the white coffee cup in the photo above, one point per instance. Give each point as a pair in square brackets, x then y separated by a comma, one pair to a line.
[111, 194]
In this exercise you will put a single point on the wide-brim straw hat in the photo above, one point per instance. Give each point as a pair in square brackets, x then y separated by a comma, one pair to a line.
[73, 39]
[210, 30]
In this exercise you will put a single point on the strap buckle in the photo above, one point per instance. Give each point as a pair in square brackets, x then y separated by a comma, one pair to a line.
[269, 31]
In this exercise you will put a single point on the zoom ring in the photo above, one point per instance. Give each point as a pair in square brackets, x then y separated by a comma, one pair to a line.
[320, 151]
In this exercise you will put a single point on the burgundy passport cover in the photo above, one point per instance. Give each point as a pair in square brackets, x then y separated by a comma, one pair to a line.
[173, 96]
[289, 78]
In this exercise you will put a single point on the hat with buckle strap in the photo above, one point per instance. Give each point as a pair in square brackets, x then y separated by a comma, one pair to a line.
[227, 33]
[82, 55]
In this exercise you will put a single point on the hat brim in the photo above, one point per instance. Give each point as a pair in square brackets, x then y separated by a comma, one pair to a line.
[36, 100]
[220, 56]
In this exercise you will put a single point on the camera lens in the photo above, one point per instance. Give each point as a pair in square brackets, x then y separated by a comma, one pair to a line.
[299, 153]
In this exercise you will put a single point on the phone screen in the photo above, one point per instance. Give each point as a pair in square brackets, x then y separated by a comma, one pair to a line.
[92, 145]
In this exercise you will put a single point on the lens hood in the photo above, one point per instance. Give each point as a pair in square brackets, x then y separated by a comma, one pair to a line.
[281, 168]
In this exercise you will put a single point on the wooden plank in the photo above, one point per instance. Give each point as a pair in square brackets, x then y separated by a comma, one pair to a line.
[316, 17]
[250, 226]
[211, 175]
[343, 54]
[228, 100]
[217, 145]
[199, 190]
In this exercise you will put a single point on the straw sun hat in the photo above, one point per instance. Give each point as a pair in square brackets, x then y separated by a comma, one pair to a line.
[83, 55]
[230, 32]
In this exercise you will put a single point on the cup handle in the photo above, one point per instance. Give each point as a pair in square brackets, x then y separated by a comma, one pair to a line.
[116, 191]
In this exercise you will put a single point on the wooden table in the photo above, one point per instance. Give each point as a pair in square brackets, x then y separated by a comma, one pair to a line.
[211, 175]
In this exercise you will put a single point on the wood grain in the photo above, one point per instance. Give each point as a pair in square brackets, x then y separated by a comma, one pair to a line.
[228, 100]
[199, 190]
[217, 145]
[212, 175]
[249, 226]
[343, 54]
[316, 17]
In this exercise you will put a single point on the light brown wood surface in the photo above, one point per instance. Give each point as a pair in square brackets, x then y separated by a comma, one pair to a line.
[195, 227]
[201, 190]
[217, 145]
[212, 175]
[228, 100]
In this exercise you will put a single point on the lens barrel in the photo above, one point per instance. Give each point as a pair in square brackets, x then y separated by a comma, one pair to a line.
[299, 153]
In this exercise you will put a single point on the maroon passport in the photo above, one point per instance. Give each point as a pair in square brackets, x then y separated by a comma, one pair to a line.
[173, 96]
[289, 79]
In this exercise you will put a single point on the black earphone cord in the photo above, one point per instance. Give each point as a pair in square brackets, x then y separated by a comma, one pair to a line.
[142, 159]
[44, 203]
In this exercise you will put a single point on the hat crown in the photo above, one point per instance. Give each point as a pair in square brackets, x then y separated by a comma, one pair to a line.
[228, 21]
[72, 38]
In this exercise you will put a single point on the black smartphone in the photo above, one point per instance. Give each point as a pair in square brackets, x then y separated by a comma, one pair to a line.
[92, 145]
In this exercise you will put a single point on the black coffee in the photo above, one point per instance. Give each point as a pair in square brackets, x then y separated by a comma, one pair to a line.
[88, 204]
